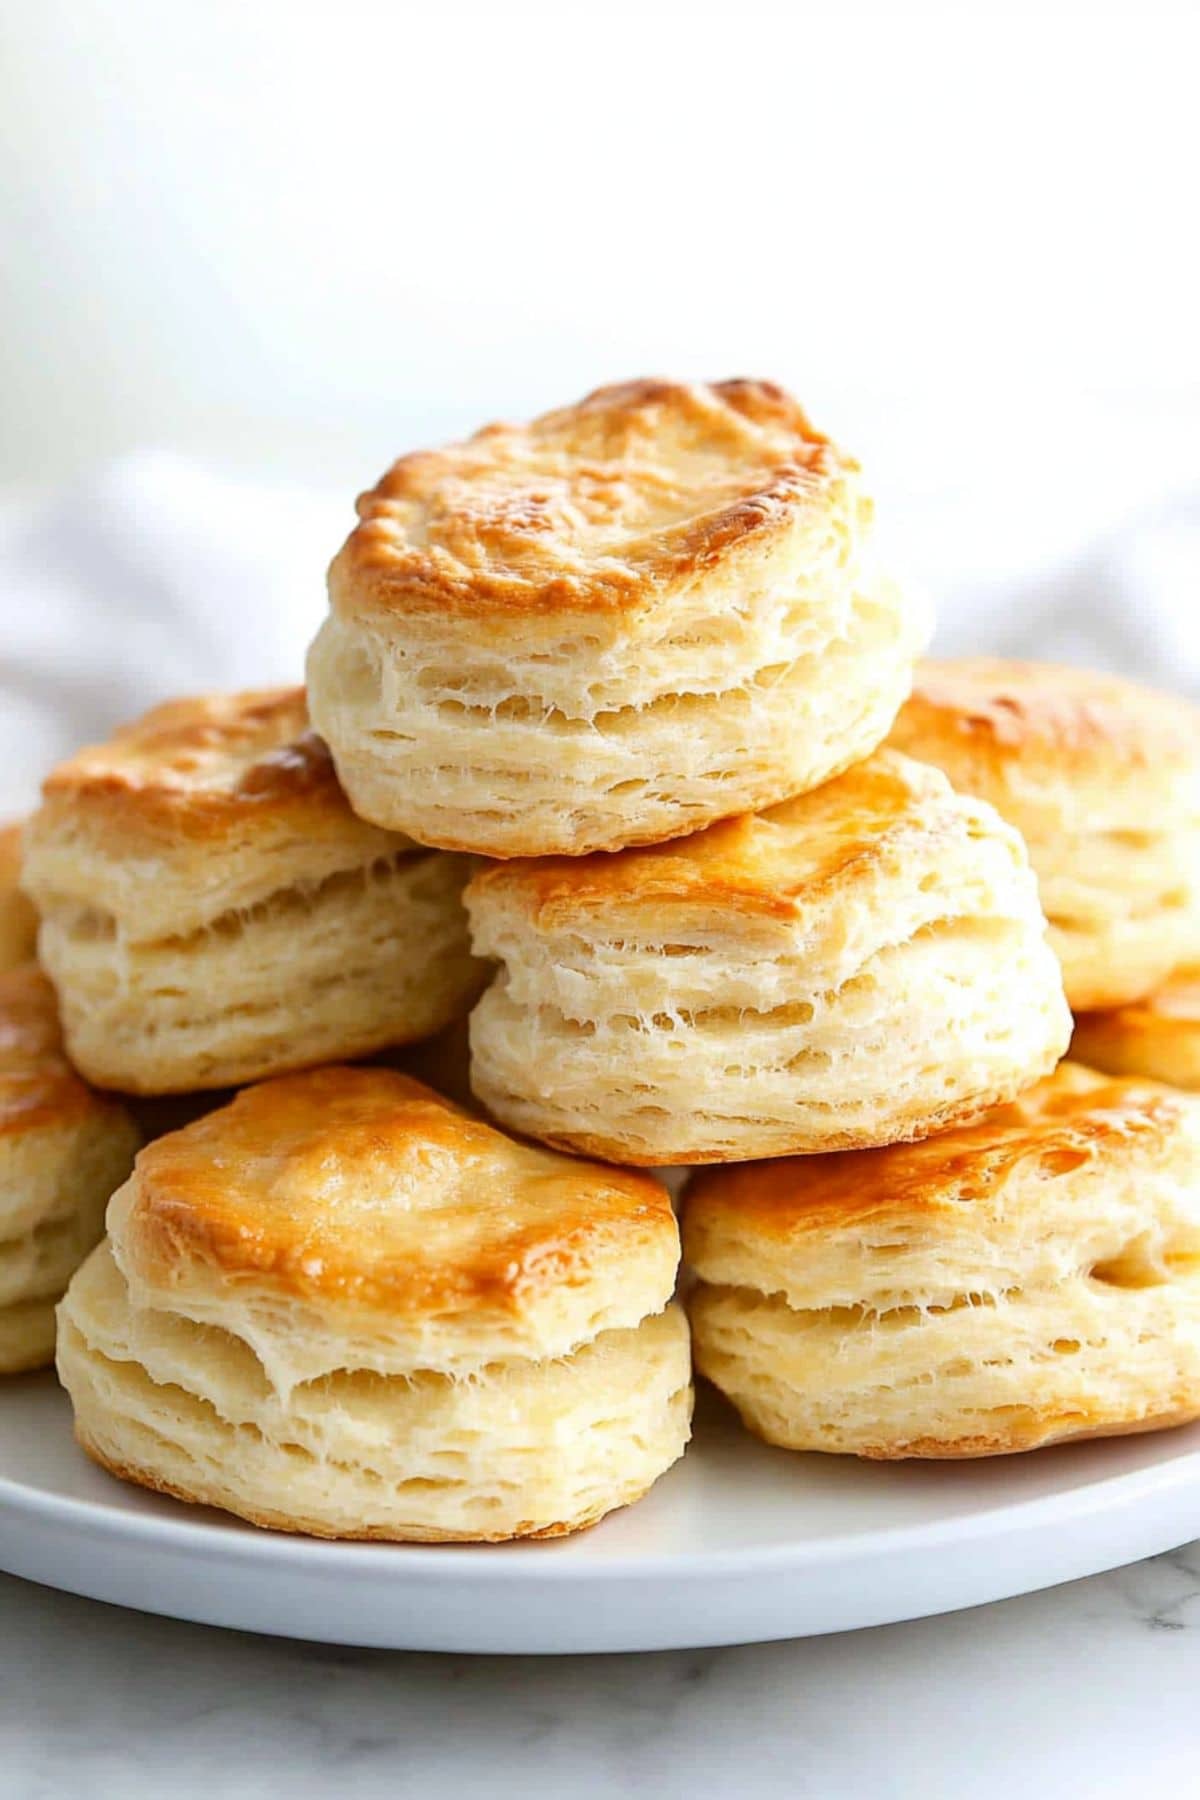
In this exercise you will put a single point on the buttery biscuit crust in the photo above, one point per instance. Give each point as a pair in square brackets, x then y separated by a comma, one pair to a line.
[862, 964]
[603, 505]
[18, 921]
[206, 847]
[38, 1086]
[203, 768]
[360, 1184]
[340, 1305]
[610, 626]
[63, 1149]
[1053, 722]
[1074, 1119]
[1157, 1037]
[803, 853]
[1027, 1279]
[1102, 778]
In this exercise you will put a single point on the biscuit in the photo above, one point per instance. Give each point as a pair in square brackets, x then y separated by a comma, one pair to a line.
[1158, 1037]
[18, 920]
[63, 1149]
[342, 1306]
[1102, 778]
[862, 964]
[1030, 1278]
[213, 912]
[613, 626]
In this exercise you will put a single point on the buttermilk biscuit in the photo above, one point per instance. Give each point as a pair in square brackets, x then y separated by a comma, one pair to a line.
[212, 910]
[1101, 778]
[612, 626]
[1030, 1278]
[1158, 1037]
[862, 964]
[63, 1149]
[342, 1306]
[18, 920]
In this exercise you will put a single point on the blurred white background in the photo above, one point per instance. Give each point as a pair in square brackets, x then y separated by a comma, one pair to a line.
[253, 250]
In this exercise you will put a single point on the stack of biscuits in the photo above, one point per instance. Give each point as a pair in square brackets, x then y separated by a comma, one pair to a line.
[619, 827]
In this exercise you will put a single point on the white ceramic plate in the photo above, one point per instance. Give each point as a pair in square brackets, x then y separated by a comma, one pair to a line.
[738, 1543]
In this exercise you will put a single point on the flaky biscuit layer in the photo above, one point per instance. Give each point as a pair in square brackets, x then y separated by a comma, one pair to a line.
[860, 965]
[1102, 778]
[1030, 1278]
[521, 1449]
[370, 958]
[484, 758]
[612, 626]
[214, 912]
[340, 1305]
[63, 1150]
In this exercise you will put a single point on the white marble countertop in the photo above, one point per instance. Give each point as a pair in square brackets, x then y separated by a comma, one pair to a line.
[1088, 1689]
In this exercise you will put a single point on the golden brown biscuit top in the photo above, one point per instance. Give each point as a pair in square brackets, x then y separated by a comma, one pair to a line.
[18, 919]
[1072, 1118]
[1163, 1030]
[208, 763]
[1043, 714]
[1175, 1004]
[361, 1185]
[10, 855]
[767, 863]
[595, 506]
[38, 1086]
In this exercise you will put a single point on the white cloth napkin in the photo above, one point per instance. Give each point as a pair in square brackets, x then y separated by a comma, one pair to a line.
[158, 577]
[152, 579]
